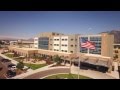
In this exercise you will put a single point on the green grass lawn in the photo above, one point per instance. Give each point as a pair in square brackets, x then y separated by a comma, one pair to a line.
[68, 76]
[34, 66]
[8, 55]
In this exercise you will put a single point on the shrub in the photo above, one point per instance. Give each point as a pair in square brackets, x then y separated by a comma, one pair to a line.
[57, 59]
[20, 65]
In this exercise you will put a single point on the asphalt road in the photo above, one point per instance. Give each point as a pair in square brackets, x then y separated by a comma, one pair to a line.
[47, 72]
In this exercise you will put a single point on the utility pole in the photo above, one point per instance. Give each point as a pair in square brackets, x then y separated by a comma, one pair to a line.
[78, 68]
[70, 64]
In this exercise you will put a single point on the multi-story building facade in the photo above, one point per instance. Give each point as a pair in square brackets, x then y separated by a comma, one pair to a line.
[45, 40]
[65, 43]
[103, 43]
[52, 43]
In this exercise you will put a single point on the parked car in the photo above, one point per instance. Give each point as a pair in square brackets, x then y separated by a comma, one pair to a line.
[6, 60]
[10, 73]
[12, 67]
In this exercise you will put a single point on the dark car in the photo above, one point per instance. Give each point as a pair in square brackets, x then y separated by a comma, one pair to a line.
[5, 60]
[10, 73]
[10, 65]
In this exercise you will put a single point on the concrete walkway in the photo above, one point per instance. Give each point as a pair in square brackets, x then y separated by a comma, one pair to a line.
[33, 71]
[74, 70]
[13, 61]
[91, 73]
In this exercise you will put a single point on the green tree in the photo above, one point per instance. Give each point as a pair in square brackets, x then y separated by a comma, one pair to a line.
[57, 59]
[20, 65]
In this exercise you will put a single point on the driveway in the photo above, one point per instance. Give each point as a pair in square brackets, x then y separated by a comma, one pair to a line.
[47, 72]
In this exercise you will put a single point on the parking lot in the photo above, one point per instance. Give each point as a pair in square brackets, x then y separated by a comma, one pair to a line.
[4, 63]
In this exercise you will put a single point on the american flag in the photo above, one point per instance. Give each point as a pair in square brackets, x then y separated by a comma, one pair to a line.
[87, 44]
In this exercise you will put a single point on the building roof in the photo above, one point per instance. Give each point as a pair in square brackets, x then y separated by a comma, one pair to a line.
[100, 56]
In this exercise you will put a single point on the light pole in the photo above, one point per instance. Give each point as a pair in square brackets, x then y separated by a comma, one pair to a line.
[78, 67]
[70, 64]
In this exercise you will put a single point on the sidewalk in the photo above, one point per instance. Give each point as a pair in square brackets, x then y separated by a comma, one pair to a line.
[91, 73]
[32, 72]
[12, 60]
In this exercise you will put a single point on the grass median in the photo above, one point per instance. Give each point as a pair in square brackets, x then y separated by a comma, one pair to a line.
[34, 66]
[66, 76]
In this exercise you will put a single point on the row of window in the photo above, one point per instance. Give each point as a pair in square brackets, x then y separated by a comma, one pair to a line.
[56, 50]
[56, 44]
[95, 38]
[64, 50]
[117, 46]
[55, 34]
[96, 51]
[63, 39]
[63, 45]
[56, 39]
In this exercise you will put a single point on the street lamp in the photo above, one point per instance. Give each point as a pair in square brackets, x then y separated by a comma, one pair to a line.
[78, 67]
[70, 64]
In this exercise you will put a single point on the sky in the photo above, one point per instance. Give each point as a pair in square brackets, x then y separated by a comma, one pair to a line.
[28, 24]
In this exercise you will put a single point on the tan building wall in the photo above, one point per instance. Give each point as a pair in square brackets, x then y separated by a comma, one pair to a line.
[30, 52]
[23, 51]
[72, 43]
[107, 45]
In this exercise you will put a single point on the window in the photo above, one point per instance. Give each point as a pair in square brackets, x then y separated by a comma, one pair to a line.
[62, 39]
[57, 39]
[36, 44]
[54, 39]
[75, 45]
[36, 39]
[65, 50]
[118, 47]
[57, 34]
[54, 44]
[53, 33]
[65, 45]
[75, 39]
[50, 44]
[71, 45]
[71, 51]
[115, 47]
[57, 44]
[51, 39]
[71, 39]
[65, 39]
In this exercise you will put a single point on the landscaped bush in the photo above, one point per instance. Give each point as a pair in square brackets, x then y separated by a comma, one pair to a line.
[20, 65]
[57, 59]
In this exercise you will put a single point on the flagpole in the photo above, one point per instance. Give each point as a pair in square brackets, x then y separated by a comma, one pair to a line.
[88, 50]
[78, 68]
